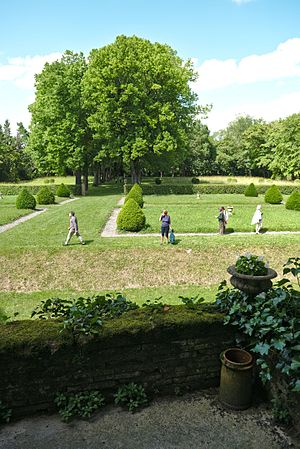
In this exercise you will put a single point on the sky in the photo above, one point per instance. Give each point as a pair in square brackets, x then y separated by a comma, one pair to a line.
[246, 52]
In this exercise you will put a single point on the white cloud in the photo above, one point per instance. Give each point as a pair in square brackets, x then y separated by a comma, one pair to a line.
[284, 62]
[21, 71]
[240, 2]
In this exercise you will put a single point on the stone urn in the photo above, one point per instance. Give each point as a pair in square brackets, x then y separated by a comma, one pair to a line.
[251, 285]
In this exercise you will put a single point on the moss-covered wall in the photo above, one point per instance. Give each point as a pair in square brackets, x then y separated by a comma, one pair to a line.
[166, 352]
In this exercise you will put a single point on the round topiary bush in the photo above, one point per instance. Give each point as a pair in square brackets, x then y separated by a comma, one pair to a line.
[63, 191]
[25, 200]
[131, 217]
[157, 181]
[293, 201]
[273, 195]
[135, 194]
[45, 196]
[251, 190]
[195, 181]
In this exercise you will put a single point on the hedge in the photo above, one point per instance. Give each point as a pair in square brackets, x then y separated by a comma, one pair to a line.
[293, 201]
[16, 189]
[131, 217]
[190, 189]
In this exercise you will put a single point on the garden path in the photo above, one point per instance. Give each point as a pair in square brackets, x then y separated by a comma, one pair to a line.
[110, 229]
[20, 220]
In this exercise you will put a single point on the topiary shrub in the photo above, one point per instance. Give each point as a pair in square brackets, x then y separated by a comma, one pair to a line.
[135, 194]
[293, 201]
[251, 190]
[25, 200]
[157, 181]
[273, 195]
[131, 217]
[195, 181]
[45, 196]
[63, 191]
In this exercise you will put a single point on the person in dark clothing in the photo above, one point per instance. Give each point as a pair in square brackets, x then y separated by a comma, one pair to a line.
[165, 226]
[222, 220]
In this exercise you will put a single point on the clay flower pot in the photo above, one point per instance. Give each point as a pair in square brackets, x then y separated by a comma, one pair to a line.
[251, 285]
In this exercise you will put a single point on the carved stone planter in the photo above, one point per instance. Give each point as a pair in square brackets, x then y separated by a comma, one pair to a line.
[251, 285]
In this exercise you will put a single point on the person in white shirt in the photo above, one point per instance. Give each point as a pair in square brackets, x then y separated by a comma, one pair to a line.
[257, 219]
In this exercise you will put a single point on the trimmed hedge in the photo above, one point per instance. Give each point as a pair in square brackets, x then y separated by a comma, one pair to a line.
[190, 189]
[17, 188]
[63, 191]
[131, 217]
[25, 200]
[136, 194]
[45, 196]
[195, 181]
[273, 195]
[251, 190]
[293, 201]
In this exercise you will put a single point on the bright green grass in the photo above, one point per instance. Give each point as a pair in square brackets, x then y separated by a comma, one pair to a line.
[190, 214]
[24, 303]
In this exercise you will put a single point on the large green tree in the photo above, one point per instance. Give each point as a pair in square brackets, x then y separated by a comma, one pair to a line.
[60, 136]
[140, 100]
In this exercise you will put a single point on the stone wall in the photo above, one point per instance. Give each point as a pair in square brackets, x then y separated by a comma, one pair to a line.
[165, 358]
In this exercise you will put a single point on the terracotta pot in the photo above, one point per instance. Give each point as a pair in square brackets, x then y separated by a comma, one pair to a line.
[251, 285]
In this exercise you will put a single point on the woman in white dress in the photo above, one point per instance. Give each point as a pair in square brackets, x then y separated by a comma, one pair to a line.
[257, 219]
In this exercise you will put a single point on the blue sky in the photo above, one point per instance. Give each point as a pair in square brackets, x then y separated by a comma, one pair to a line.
[247, 52]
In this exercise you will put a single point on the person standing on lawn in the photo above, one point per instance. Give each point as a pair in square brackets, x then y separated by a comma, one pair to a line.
[257, 219]
[222, 220]
[73, 229]
[165, 226]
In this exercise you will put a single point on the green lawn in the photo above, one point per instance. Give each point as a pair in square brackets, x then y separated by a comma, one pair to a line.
[190, 214]
[35, 265]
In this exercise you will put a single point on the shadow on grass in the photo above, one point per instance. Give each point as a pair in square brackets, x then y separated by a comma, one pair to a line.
[263, 230]
[177, 241]
[229, 231]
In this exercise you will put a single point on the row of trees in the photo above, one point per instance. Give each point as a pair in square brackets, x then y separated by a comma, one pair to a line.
[130, 108]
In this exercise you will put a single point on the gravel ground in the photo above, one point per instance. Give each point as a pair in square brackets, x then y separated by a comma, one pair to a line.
[194, 421]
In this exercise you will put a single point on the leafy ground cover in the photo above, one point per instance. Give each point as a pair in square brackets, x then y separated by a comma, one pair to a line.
[34, 264]
[192, 214]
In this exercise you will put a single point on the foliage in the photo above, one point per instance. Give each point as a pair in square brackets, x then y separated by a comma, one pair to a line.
[131, 217]
[63, 191]
[131, 396]
[251, 265]
[140, 99]
[271, 323]
[5, 413]
[192, 301]
[195, 181]
[251, 190]
[25, 200]
[135, 194]
[280, 412]
[154, 306]
[293, 201]
[157, 181]
[84, 315]
[292, 266]
[273, 195]
[82, 404]
[45, 196]
[15, 189]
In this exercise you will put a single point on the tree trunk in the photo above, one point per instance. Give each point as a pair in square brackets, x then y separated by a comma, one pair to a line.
[135, 171]
[86, 181]
[78, 182]
[96, 176]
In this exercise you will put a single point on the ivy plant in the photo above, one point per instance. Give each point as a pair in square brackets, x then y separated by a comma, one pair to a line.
[271, 323]
[82, 404]
[251, 264]
[131, 396]
[5, 413]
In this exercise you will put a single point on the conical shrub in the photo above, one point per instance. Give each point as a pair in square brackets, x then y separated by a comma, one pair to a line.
[251, 190]
[273, 195]
[131, 217]
[25, 200]
[136, 194]
[293, 201]
[45, 196]
[63, 191]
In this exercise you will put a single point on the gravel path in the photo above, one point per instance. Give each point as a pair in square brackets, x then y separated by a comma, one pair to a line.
[110, 229]
[194, 421]
[20, 220]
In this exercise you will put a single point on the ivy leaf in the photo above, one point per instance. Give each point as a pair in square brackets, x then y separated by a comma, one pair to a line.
[262, 348]
[278, 344]
[297, 386]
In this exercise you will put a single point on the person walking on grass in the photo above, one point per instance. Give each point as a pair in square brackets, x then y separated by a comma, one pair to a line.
[257, 219]
[165, 226]
[73, 229]
[222, 220]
